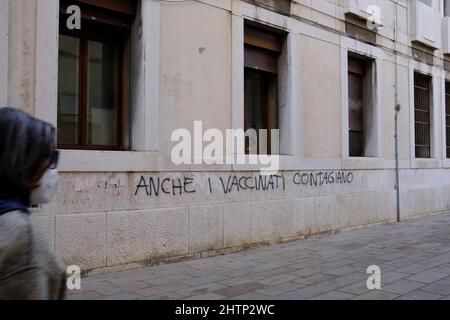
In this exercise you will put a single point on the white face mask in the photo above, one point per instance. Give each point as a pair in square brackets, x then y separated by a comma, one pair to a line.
[47, 187]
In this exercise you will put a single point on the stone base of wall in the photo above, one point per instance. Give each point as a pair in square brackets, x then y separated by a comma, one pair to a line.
[103, 221]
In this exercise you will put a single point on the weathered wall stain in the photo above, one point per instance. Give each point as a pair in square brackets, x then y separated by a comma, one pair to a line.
[116, 187]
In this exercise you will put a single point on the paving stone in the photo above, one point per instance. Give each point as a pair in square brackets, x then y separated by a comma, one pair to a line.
[278, 289]
[422, 266]
[161, 289]
[278, 279]
[352, 278]
[307, 271]
[134, 286]
[242, 279]
[440, 287]
[428, 277]
[401, 262]
[310, 291]
[315, 278]
[170, 279]
[201, 289]
[206, 296]
[402, 286]
[124, 296]
[250, 296]
[334, 295]
[377, 295]
[420, 295]
[342, 271]
[278, 271]
[241, 289]
[204, 280]
[358, 288]
[166, 296]
[392, 276]
[89, 295]
[443, 268]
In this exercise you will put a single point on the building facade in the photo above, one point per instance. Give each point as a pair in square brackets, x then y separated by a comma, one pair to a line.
[328, 74]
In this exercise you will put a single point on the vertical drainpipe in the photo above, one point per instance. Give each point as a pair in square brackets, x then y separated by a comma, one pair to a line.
[397, 173]
[397, 110]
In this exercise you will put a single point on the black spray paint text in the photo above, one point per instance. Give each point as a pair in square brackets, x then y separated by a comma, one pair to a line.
[177, 186]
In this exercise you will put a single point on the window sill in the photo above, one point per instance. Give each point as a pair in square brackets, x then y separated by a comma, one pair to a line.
[363, 163]
[126, 161]
[446, 163]
[426, 163]
[129, 161]
[111, 161]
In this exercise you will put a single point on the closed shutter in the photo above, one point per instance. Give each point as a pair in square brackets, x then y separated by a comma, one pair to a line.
[262, 49]
[446, 8]
[127, 7]
[356, 73]
[422, 115]
[355, 103]
[116, 13]
[260, 59]
[447, 116]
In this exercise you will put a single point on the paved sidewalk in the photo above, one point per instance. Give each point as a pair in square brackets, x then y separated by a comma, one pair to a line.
[414, 257]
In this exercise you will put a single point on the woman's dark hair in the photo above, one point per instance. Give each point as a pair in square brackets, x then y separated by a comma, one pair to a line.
[26, 143]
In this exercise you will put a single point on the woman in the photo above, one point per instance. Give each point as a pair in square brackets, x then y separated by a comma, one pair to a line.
[28, 175]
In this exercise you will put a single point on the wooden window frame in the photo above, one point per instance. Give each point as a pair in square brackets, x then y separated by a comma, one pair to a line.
[446, 8]
[426, 112]
[358, 67]
[267, 78]
[127, 7]
[268, 44]
[100, 32]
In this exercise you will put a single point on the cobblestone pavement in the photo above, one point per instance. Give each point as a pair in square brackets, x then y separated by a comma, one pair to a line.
[414, 257]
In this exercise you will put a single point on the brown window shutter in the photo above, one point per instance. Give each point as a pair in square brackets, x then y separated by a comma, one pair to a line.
[127, 7]
[262, 49]
[262, 38]
[422, 115]
[260, 59]
[111, 12]
[357, 66]
[356, 119]
[355, 101]
[357, 70]
[447, 117]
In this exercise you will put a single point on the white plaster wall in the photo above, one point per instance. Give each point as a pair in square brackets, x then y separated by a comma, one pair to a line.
[320, 72]
[195, 69]
[22, 54]
[145, 78]
[4, 51]
[47, 39]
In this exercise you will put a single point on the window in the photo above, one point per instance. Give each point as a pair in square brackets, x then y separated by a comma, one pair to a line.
[447, 117]
[262, 51]
[446, 8]
[422, 115]
[92, 68]
[280, 6]
[427, 2]
[361, 107]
